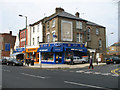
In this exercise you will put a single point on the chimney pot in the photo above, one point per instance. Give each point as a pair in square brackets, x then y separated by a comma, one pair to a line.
[58, 10]
[77, 14]
[10, 32]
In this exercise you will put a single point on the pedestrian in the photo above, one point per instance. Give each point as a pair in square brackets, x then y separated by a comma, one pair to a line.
[97, 61]
[28, 62]
[25, 61]
[71, 60]
[90, 61]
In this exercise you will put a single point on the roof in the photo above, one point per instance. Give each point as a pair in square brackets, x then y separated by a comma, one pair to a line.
[94, 24]
[116, 44]
[66, 15]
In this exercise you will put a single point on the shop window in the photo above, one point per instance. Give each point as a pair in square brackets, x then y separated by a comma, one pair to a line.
[47, 56]
[31, 55]
[28, 55]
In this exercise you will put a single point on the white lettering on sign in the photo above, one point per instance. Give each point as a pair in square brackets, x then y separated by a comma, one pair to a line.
[43, 50]
[77, 49]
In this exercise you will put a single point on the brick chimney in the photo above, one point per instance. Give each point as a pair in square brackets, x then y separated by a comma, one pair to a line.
[58, 10]
[77, 14]
[10, 32]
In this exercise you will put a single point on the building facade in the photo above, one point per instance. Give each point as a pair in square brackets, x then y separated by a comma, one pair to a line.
[7, 43]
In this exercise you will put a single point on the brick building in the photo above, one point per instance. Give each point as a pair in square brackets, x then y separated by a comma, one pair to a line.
[7, 43]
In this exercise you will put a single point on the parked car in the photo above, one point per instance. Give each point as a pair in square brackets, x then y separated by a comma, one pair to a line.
[113, 59]
[14, 62]
[77, 59]
[3, 61]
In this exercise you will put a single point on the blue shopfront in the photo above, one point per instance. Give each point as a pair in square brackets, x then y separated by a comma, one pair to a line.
[58, 53]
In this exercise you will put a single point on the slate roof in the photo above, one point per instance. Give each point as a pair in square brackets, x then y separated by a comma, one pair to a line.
[70, 16]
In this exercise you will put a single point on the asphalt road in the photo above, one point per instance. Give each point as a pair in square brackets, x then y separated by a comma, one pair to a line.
[100, 77]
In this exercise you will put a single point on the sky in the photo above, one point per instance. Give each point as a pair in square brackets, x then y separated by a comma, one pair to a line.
[102, 12]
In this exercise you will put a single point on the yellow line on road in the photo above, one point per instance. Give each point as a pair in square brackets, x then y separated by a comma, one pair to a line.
[114, 71]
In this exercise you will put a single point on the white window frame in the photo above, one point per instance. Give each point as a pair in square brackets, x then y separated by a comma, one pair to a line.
[53, 38]
[97, 31]
[88, 34]
[78, 24]
[53, 23]
[79, 37]
[100, 43]
[38, 28]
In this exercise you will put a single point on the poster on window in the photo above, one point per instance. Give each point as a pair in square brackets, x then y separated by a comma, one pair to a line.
[66, 31]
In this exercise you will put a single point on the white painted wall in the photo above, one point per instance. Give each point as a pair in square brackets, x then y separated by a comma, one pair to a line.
[38, 32]
[16, 42]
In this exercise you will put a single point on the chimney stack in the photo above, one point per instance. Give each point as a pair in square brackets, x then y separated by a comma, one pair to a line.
[77, 14]
[10, 32]
[58, 10]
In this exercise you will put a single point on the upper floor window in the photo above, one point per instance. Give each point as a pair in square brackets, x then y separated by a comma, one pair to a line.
[48, 25]
[33, 29]
[38, 40]
[79, 37]
[100, 43]
[53, 39]
[38, 27]
[33, 41]
[97, 31]
[78, 24]
[88, 34]
[53, 23]
[48, 38]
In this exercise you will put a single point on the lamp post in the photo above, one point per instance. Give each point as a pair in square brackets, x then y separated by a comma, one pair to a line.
[107, 38]
[25, 33]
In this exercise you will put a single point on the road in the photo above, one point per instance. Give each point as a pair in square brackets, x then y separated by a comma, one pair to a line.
[100, 77]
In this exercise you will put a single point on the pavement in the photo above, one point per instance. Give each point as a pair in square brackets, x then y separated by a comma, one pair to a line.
[62, 66]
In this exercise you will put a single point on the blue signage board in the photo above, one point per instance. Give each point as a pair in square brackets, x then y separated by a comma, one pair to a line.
[20, 49]
[7, 46]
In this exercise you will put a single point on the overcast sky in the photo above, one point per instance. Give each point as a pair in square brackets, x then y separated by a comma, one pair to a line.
[103, 12]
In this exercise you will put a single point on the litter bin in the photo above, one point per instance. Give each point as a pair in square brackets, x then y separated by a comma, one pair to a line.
[32, 62]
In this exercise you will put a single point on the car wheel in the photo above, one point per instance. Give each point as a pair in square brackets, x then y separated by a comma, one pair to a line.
[83, 62]
[7, 64]
[13, 64]
[114, 62]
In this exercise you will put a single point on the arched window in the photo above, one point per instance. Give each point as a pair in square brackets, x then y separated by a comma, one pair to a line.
[100, 43]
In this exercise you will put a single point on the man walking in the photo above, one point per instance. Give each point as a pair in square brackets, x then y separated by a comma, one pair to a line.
[90, 61]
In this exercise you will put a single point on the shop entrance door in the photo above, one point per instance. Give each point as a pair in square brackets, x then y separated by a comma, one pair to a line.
[58, 57]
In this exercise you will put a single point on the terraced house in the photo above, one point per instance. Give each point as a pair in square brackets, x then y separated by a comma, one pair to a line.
[64, 29]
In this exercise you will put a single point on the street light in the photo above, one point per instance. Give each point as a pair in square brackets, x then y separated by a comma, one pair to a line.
[25, 33]
[107, 37]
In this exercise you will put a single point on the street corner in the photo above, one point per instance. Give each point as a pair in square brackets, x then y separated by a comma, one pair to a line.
[116, 71]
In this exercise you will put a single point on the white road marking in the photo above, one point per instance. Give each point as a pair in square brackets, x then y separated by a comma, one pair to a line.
[33, 75]
[86, 85]
[80, 71]
[105, 73]
[96, 73]
[87, 72]
[6, 70]
[71, 71]
[115, 75]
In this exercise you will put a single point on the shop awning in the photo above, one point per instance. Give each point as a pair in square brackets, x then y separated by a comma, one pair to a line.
[81, 49]
[57, 49]
[14, 54]
[44, 49]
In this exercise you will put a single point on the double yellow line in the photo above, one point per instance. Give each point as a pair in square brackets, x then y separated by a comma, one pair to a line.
[114, 71]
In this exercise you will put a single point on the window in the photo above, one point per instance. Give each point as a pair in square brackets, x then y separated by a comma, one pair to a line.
[78, 25]
[33, 29]
[79, 37]
[97, 31]
[100, 43]
[38, 40]
[53, 23]
[33, 41]
[38, 27]
[88, 34]
[53, 39]
[48, 38]
[47, 25]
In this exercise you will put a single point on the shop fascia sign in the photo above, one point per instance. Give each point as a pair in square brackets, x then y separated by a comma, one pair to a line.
[43, 49]
[20, 49]
[76, 49]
